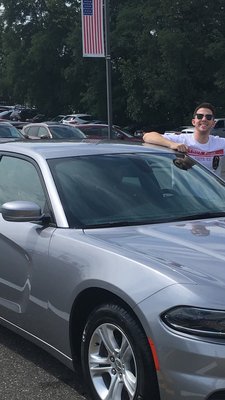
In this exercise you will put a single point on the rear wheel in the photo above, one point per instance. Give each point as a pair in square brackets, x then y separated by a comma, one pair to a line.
[116, 358]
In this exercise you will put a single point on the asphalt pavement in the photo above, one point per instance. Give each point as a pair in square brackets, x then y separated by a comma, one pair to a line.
[28, 372]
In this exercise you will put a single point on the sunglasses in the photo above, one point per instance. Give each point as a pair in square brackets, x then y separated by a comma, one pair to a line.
[209, 117]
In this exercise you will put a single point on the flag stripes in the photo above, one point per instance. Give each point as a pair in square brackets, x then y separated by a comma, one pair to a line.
[92, 28]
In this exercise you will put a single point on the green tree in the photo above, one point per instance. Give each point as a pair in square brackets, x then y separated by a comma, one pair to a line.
[167, 56]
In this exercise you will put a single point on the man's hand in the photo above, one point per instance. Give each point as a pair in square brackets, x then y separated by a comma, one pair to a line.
[179, 147]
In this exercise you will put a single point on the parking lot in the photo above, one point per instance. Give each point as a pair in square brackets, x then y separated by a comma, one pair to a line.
[27, 372]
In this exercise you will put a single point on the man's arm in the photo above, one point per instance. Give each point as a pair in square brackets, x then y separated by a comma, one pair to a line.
[161, 140]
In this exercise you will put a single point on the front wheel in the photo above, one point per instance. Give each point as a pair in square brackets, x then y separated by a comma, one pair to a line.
[116, 358]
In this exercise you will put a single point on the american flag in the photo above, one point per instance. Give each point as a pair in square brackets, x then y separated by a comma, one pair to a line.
[92, 28]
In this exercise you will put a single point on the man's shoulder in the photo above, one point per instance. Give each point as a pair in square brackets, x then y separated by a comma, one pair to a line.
[217, 142]
[216, 139]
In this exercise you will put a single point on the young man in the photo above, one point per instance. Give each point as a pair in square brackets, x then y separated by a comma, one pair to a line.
[205, 148]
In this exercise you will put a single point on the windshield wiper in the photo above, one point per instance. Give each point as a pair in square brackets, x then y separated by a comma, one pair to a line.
[115, 224]
[112, 224]
[126, 223]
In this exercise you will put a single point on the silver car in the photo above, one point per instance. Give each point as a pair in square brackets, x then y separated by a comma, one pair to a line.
[113, 258]
[51, 130]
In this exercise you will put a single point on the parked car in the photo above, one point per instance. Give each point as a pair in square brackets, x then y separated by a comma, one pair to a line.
[57, 118]
[188, 130]
[22, 114]
[100, 131]
[51, 130]
[27, 114]
[181, 129]
[4, 115]
[219, 128]
[78, 119]
[112, 256]
[8, 131]
[5, 108]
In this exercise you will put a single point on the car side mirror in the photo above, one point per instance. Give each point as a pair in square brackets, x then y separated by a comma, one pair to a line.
[21, 211]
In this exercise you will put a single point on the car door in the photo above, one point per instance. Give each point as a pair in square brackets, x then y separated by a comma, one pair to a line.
[23, 246]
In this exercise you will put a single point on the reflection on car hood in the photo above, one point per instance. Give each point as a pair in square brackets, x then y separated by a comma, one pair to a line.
[195, 248]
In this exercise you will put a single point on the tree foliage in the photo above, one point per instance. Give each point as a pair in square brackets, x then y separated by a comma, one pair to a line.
[167, 56]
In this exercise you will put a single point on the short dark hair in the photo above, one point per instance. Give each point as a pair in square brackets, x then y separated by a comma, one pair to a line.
[205, 105]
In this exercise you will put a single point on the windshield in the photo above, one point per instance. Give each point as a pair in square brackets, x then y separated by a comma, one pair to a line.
[133, 189]
[7, 131]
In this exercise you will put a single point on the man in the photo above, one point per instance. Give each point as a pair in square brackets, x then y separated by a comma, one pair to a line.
[205, 148]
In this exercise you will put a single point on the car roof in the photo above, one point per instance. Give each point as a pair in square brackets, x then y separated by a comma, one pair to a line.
[55, 149]
[48, 123]
[78, 115]
[93, 125]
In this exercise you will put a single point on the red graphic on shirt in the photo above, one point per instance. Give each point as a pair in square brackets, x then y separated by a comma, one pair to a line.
[200, 153]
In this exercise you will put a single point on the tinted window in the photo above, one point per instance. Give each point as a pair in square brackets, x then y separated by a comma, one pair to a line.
[9, 131]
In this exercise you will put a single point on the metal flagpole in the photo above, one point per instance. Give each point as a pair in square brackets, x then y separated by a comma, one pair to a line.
[108, 68]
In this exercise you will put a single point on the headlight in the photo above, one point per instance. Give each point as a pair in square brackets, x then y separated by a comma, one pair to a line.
[196, 321]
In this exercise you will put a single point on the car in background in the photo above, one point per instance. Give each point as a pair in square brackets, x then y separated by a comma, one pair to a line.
[51, 130]
[188, 130]
[5, 108]
[100, 131]
[219, 127]
[57, 118]
[112, 259]
[78, 119]
[180, 129]
[9, 132]
[5, 115]
[22, 115]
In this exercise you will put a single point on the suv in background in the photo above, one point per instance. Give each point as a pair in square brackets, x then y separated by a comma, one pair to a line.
[78, 119]
[219, 128]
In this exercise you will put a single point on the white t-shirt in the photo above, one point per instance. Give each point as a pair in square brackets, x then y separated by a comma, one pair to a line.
[209, 154]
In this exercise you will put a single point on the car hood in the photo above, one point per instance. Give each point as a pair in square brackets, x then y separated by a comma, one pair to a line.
[195, 249]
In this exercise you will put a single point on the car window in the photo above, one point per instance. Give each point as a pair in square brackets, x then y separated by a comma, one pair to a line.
[9, 131]
[98, 131]
[42, 131]
[19, 180]
[31, 130]
[86, 117]
[68, 117]
[95, 131]
[63, 132]
[133, 189]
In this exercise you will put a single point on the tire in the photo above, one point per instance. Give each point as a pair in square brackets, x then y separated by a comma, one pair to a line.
[116, 358]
